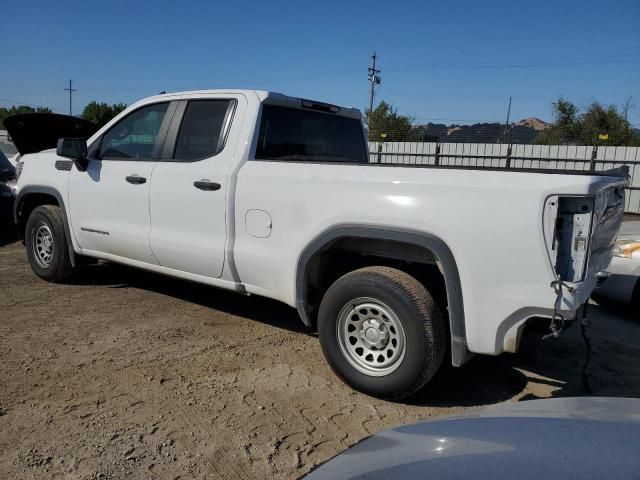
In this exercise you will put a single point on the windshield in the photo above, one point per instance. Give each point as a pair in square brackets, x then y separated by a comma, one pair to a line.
[306, 135]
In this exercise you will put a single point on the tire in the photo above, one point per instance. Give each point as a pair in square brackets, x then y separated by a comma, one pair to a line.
[46, 244]
[396, 324]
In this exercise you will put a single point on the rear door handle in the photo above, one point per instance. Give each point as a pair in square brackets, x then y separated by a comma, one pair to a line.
[206, 185]
[136, 179]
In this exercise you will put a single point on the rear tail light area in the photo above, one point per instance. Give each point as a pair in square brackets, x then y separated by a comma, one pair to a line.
[580, 231]
[568, 221]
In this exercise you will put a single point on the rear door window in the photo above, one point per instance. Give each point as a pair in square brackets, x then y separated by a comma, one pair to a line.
[306, 135]
[203, 129]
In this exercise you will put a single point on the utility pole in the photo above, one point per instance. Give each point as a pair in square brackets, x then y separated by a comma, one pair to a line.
[506, 126]
[374, 79]
[70, 90]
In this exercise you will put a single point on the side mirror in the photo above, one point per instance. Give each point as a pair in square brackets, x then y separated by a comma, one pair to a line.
[75, 149]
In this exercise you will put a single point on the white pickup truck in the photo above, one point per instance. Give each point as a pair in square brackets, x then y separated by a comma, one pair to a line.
[399, 268]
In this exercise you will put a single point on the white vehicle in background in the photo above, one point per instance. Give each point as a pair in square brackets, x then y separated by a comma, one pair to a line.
[620, 282]
[265, 194]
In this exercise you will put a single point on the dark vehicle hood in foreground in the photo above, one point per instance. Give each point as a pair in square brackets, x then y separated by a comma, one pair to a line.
[553, 438]
[34, 132]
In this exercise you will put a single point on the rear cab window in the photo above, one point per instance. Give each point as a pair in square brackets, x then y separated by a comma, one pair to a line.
[298, 134]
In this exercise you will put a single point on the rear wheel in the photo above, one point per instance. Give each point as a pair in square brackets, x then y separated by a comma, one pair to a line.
[46, 244]
[382, 332]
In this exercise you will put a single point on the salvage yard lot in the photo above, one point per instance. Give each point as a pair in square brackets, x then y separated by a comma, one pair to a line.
[126, 374]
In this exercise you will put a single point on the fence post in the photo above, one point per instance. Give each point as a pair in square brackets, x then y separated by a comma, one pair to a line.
[509, 156]
[379, 157]
[437, 157]
[594, 155]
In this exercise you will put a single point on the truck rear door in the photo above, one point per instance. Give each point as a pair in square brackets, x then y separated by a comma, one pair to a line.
[190, 184]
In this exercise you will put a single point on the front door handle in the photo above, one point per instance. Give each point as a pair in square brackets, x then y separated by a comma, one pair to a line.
[136, 179]
[206, 185]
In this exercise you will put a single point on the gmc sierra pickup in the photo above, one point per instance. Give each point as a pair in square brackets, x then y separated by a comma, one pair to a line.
[399, 268]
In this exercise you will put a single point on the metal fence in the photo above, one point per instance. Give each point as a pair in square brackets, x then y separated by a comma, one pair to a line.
[503, 156]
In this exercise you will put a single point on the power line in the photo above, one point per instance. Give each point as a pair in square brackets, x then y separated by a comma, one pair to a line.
[558, 62]
[19, 103]
[443, 119]
[351, 71]
[348, 71]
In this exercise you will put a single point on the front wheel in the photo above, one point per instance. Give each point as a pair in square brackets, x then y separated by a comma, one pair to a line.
[381, 332]
[46, 244]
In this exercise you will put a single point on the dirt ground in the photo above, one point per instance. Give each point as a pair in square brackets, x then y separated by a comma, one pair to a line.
[126, 374]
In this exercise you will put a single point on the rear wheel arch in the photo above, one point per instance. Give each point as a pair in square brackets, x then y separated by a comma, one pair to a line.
[413, 245]
[32, 197]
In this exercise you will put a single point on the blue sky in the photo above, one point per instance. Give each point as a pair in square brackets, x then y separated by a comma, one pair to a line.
[450, 62]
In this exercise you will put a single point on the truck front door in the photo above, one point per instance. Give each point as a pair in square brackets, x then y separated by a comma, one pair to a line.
[109, 203]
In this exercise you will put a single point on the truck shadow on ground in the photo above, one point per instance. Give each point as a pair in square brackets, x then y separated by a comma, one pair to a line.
[253, 307]
[548, 368]
[541, 368]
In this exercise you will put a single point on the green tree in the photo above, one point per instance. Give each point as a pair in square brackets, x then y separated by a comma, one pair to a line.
[101, 113]
[608, 121]
[385, 120]
[598, 124]
[566, 125]
[18, 110]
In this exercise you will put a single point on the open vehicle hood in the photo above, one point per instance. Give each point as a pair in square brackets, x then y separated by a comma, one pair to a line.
[34, 132]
